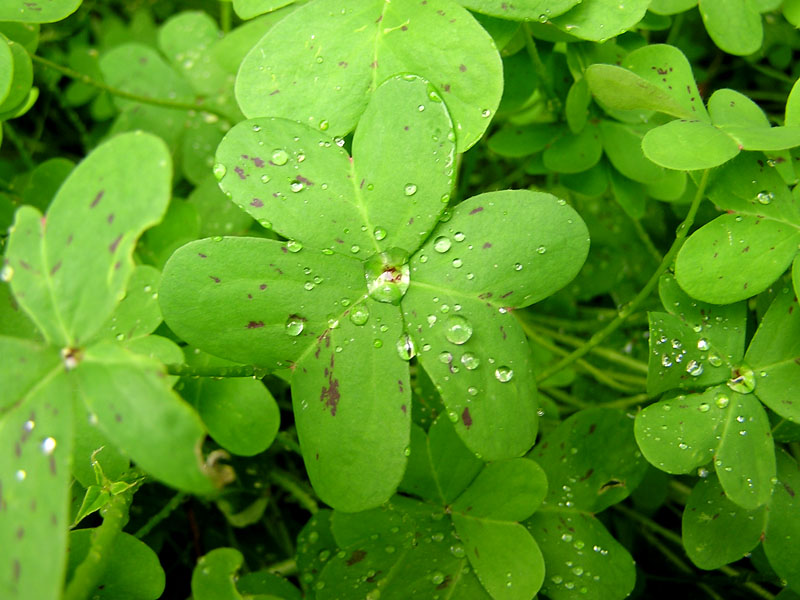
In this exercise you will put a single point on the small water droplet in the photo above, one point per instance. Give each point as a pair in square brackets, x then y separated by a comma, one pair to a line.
[405, 347]
[518, 267]
[323, 125]
[702, 344]
[279, 157]
[704, 407]
[445, 357]
[457, 262]
[410, 189]
[714, 359]
[437, 578]
[470, 361]
[503, 374]
[360, 314]
[486, 113]
[541, 250]
[765, 197]
[722, 400]
[294, 246]
[542, 18]
[20, 475]
[48, 445]
[442, 244]
[295, 325]
[219, 171]
[379, 233]
[297, 186]
[458, 329]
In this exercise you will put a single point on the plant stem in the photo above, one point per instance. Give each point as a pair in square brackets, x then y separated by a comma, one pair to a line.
[88, 573]
[183, 370]
[564, 397]
[170, 506]
[284, 568]
[541, 70]
[303, 498]
[82, 77]
[11, 134]
[625, 312]
[225, 15]
[623, 403]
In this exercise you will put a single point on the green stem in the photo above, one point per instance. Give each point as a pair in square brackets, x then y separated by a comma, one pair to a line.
[539, 67]
[166, 511]
[624, 403]
[183, 370]
[225, 15]
[625, 312]
[11, 134]
[289, 442]
[303, 498]
[606, 353]
[88, 573]
[564, 397]
[285, 567]
[675, 30]
[82, 77]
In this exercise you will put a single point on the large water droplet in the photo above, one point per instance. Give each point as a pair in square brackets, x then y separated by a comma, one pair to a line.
[743, 380]
[405, 347]
[503, 374]
[219, 171]
[297, 186]
[694, 368]
[702, 344]
[388, 275]
[410, 189]
[457, 329]
[359, 315]
[295, 325]
[442, 244]
[765, 197]
[279, 157]
[379, 233]
[294, 246]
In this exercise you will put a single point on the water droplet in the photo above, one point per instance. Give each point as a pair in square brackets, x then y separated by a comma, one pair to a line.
[702, 344]
[308, 285]
[379, 233]
[410, 189]
[377, 343]
[323, 125]
[703, 407]
[666, 361]
[219, 171]
[518, 267]
[325, 554]
[48, 445]
[295, 325]
[120, 337]
[486, 113]
[566, 537]
[722, 400]
[388, 275]
[453, 416]
[445, 357]
[437, 578]
[279, 157]
[503, 374]
[457, 262]
[297, 186]
[294, 246]
[694, 368]
[541, 250]
[360, 314]
[714, 359]
[405, 347]
[457, 329]
[765, 197]
[457, 550]
[20, 475]
[743, 381]
[459, 236]
[470, 361]
[442, 244]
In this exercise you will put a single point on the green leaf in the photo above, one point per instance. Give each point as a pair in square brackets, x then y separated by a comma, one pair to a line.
[91, 448]
[505, 557]
[268, 584]
[240, 414]
[715, 530]
[529, 10]
[6, 69]
[309, 189]
[218, 216]
[622, 145]
[580, 556]
[247, 9]
[352, 406]
[671, 7]
[796, 275]
[13, 320]
[70, 274]
[22, 70]
[35, 12]
[576, 107]
[521, 140]
[628, 194]
[591, 461]
[792, 115]
[35, 457]
[127, 393]
[688, 146]
[214, 576]
[350, 53]
[138, 314]
[599, 20]
[132, 571]
[734, 257]
[255, 306]
[791, 11]
[772, 139]
[25, 365]
[774, 353]
[731, 108]
[734, 25]
[179, 226]
[315, 544]
[783, 530]
[574, 153]
[506, 490]
[45, 180]
[679, 435]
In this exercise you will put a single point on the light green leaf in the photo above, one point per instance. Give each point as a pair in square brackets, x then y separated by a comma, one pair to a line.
[45, 180]
[214, 577]
[582, 560]
[591, 461]
[218, 215]
[671, 7]
[576, 107]
[256, 308]
[734, 25]
[734, 257]
[198, 146]
[715, 530]
[521, 140]
[179, 226]
[89, 446]
[528, 10]
[783, 530]
[24, 366]
[792, 115]
[269, 585]
[133, 571]
[505, 557]
[70, 274]
[35, 457]
[352, 406]
[240, 414]
[36, 12]
[772, 139]
[6, 69]
[599, 20]
[311, 190]
[622, 145]
[796, 275]
[688, 146]
[247, 9]
[774, 353]
[138, 314]
[628, 194]
[13, 320]
[453, 465]
[127, 393]
[22, 72]
[791, 11]
[731, 108]
[345, 55]
[574, 153]
[679, 435]
[315, 545]
[506, 490]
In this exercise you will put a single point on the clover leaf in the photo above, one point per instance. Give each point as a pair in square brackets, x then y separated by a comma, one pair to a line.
[369, 279]
[68, 271]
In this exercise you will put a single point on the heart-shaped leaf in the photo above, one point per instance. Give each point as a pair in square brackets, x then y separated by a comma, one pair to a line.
[35, 12]
[599, 20]
[688, 146]
[320, 65]
[734, 25]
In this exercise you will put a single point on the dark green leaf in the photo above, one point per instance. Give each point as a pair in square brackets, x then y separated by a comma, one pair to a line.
[734, 25]
[214, 576]
[574, 153]
[783, 530]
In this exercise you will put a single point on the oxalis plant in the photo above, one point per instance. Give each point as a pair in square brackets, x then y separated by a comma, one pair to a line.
[408, 299]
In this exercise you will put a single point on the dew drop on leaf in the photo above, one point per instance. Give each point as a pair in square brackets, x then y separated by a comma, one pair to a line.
[714, 360]
[703, 407]
[405, 347]
[295, 325]
[765, 197]
[294, 246]
[459, 236]
[219, 171]
[503, 374]
[518, 267]
[442, 244]
[457, 329]
[48, 445]
[360, 314]
[379, 233]
[279, 157]
[445, 357]
[470, 361]
[20, 475]
[297, 186]
[694, 368]
[410, 189]
[457, 262]
[722, 400]
[702, 344]
[323, 125]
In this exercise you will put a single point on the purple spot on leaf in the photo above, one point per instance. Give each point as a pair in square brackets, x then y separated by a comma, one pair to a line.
[466, 417]
[97, 198]
[487, 245]
[216, 279]
[240, 172]
[201, 255]
[112, 247]
[475, 211]
[257, 203]
[255, 324]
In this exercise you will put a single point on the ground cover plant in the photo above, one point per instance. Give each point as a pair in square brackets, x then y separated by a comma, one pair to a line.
[408, 299]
